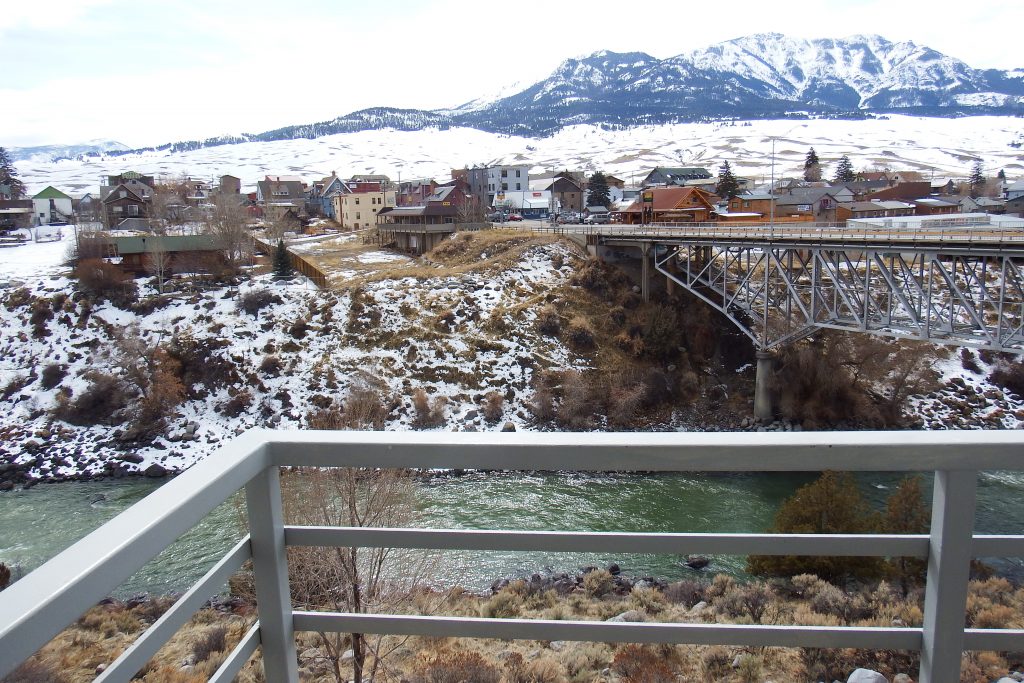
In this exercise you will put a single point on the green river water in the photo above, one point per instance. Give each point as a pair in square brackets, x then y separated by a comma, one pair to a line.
[38, 523]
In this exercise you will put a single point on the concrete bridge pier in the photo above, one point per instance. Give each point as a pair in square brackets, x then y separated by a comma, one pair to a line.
[763, 403]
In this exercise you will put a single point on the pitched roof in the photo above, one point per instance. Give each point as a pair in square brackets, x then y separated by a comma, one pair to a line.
[669, 198]
[115, 194]
[807, 195]
[51, 193]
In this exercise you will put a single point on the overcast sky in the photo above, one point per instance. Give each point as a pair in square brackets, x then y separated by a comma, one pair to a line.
[145, 73]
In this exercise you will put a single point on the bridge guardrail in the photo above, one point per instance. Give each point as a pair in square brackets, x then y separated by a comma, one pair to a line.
[37, 607]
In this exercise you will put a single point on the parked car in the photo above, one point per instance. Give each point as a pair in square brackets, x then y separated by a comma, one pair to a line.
[496, 217]
[597, 218]
[515, 217]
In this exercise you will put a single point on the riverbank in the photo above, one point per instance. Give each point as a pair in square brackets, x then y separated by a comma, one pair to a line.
[84, 649]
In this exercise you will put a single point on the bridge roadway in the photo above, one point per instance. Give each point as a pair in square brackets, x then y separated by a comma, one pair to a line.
[956, 280]
[1006, 237]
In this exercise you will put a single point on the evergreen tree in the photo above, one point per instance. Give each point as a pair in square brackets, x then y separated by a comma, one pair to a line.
[830, 505]
[598, 193]
[977, 179]
[9, 175]
[812, 167]
[1001, 176]
[906, 513]
[282, 261]
[727, 187]
[844, 170]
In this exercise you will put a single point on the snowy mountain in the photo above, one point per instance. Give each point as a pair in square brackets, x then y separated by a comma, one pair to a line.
[58, 152]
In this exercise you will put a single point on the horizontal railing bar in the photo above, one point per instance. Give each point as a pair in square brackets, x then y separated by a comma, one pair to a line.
[602, 631]
[993, 640]
[700, 451]
[37, 607]
[998, 546]
[845, 545]
[124, 668]
[238, 657]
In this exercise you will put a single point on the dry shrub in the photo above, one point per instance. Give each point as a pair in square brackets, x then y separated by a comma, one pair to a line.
[457, 667]
[536, 671]
[578, 406]
[33, 671]
[494, 406]
[624, 405]
[299, 328]
[662, 333]
[52, 375]
[751, 601]
[100, 280]
[549, 322]
[429, 413]
[270, 365]
[632, 344]
[203, 363]
[597, 583]
[715, 664]
[750, 669]
[557, 260]
[1010, 376]
[996, 616]
[720, 585]
[579, 334]
[599, 277]
[237, 404]
[5, 576]
[253, 301]
[639, 664]
[542, 404]
[505, 604]
[650, 600]
[968, 361]
[211, 642]
[100, 403]
[685, 592]
[445, 320]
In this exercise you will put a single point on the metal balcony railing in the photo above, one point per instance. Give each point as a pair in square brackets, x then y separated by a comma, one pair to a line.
[37, 607]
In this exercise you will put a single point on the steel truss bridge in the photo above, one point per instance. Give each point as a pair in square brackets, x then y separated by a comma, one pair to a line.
[955, 282]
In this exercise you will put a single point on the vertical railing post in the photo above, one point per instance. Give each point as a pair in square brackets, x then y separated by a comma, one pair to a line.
[949, 570]
[270, 569]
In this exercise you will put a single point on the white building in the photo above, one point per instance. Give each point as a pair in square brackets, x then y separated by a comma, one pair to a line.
[52, 206]
[508, 178]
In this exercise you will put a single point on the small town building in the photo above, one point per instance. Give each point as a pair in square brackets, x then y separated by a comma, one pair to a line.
[904, 192]
[982, 205]
[357, 208]
[123, 202]
[52, 206]
[876, 209]
[278, 195]
[670, 205]
[15, 214]
[176, 253]
[932, 206]
[666, 175]
[817, 202]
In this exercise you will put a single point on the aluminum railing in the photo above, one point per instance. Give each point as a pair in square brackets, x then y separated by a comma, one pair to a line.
[37, 607]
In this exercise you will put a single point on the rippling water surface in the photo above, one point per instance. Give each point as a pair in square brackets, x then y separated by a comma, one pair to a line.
[38, 523]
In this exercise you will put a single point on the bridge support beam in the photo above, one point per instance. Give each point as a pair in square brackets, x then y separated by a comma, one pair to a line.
[763, 404]
[645, 271]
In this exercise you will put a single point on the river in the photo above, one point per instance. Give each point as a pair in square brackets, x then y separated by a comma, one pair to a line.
[37, 523]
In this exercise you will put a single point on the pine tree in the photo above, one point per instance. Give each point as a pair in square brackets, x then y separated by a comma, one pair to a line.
[282, 261]
[1001, 176]
[830, 505]
[977, 179]
[812, 167]
[9, 175]
[844, 170]
[727, 186]
[598, 193]
[906, 513]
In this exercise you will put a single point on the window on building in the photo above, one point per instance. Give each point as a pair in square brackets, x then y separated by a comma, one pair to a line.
[118, 209]
[133, 209]
[518, 187]
[517, 173]
[504, 186]
[504, 173]
[357, 215]
[357, 201]
[123, 194]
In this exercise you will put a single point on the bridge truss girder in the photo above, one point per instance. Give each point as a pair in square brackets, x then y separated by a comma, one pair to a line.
[779, 294]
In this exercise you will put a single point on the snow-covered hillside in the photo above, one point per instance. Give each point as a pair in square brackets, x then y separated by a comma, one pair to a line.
[943, 147]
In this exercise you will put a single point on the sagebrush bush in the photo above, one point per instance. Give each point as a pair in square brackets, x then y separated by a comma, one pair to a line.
[100, 280]
[52, 375]
[494, 406]
[549, 322]
[429, 413]
[237, 404]
[1010, 376]
[715, 664]
[650, 600]
[270, 365]
[640, 664]
[457, 667]
[100, 403]
[597, 583]
[253, 301]
[579, 334]
[211, 642]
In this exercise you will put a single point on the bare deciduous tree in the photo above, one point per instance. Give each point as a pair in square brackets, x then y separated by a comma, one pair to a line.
[228, 224]
[358, 580]
[158, 260]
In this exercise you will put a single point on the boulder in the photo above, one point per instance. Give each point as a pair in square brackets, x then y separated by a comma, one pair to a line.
[614, 569]
[508, 427]
[698, 562]
[902, 678]
[633, 615]
[866, 676]
[155, 471]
